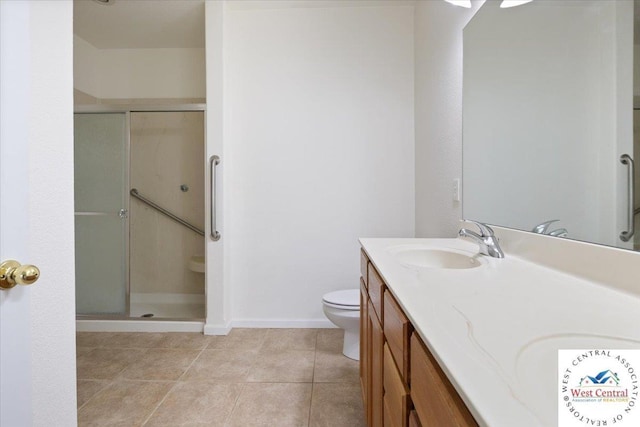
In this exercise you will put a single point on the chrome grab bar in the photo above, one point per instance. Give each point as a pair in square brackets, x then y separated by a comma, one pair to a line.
[163, 211]
[626, 235]
[213, 162]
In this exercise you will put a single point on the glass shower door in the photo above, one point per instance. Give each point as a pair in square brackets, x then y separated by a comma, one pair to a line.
[101, 204]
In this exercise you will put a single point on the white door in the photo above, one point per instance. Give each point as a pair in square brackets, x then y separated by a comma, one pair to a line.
[15, 375]
[37, 323]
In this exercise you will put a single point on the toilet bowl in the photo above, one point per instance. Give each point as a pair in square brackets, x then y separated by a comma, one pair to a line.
[343, 309]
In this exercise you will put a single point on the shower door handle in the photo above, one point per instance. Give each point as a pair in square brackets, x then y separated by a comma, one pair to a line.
[213, 162]
[626, 235]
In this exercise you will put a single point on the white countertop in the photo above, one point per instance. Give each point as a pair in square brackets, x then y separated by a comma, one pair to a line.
[496, 329]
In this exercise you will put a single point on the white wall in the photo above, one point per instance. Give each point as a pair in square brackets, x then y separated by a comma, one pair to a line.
[318, 151]
[51, 214]
[86, 59]
[438, 114]
[218, 285]
[152, 73]
[139, 73]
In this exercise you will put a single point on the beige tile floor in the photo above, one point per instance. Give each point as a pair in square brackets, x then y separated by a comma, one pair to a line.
[252, 377]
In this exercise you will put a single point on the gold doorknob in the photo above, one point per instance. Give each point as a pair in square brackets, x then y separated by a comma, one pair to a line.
[12, 273]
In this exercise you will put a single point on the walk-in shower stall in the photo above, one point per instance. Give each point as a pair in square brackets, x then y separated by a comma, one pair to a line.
[139, 212]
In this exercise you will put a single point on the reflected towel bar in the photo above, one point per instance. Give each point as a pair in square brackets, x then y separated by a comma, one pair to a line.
[627, 234]
[163, 211]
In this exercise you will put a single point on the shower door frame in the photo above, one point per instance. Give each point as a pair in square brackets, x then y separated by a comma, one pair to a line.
[127, 109]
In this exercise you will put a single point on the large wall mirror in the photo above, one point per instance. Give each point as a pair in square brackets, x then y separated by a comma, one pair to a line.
[548, 113]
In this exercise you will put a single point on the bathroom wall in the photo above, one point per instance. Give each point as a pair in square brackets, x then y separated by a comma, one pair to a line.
[438, 114]
[318, 150]
[167, 150]
[138, 73]
[86, 70]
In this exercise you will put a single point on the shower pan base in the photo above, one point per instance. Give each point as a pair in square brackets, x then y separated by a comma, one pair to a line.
[142, 325]
[184, 306]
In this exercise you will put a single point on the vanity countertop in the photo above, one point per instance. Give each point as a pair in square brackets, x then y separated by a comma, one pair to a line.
[496, 329]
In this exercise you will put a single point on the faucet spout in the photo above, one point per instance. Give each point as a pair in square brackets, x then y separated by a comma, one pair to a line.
[486, 240]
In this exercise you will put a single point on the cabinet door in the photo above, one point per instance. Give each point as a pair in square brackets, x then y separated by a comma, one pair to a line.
[364, 346]
[436, 401]
[396, 396]
[377, 341]
[397, 330]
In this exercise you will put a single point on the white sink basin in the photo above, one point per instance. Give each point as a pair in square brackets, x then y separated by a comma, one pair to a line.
[435, 258]
[537, 367]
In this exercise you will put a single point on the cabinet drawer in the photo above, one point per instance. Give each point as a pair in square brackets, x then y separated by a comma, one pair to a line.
[396, 395]
[397, 330]
[364, 264]
[375, 288]
[435, 399]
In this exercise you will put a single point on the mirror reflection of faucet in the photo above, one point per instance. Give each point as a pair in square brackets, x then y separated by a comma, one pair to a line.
[543, 228]
[487, 240]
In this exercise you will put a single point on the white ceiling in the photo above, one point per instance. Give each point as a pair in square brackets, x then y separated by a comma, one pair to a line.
[130, 24]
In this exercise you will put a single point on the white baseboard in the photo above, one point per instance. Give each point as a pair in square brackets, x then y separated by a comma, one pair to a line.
[194, 326]
[219, 329]
[270, 323]
[138, 326]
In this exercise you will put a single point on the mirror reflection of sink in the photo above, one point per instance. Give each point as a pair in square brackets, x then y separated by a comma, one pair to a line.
[434, 258]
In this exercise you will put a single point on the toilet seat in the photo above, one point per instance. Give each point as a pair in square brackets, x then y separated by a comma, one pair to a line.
[348, 299]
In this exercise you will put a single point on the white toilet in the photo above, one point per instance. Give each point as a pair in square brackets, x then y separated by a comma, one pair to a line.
[343, 309]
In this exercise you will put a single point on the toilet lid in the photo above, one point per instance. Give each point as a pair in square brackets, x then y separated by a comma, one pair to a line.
[347, 298]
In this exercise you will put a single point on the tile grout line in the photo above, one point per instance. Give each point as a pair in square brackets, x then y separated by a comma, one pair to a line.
[313, 377]
[95, 394]
[175, 384]
[112, 381]
[244, 383]
[227, 420]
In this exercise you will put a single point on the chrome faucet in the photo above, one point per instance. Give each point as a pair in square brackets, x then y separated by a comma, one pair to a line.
[486, 239]
[560, 232]
[544, 229]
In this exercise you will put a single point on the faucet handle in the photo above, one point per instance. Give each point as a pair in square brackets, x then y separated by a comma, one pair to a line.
[543, 227]
[560, 232]
[485, 230]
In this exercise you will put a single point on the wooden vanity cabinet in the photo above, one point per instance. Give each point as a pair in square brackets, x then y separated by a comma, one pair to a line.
[402, 384]
[375, 286]
[397, 330]
[436, 401]
[413, 419]
[375, 366]
[364, 349]
[371, 344]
